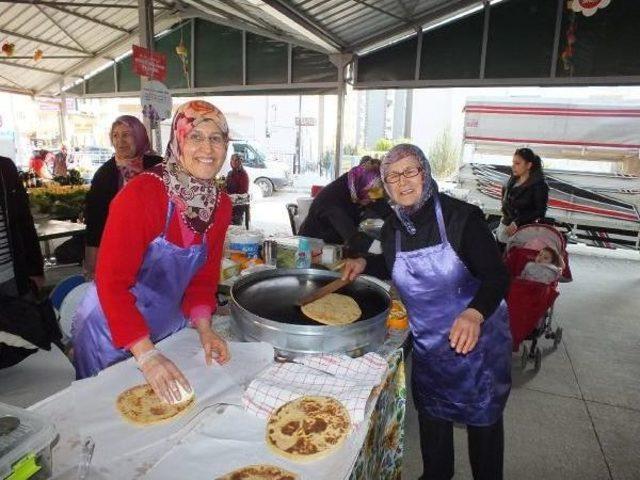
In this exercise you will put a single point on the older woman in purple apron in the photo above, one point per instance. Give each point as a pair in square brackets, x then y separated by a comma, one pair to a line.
[159, 260]
[448, 271]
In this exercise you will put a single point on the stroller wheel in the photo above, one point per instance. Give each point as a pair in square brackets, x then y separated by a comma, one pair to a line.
[525, 357]
[557, 337]
[538, 360]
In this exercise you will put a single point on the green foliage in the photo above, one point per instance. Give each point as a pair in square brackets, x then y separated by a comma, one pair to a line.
[444, 155]
[383, 145]
[61, 202]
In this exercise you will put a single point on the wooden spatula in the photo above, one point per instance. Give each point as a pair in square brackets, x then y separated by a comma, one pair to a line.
[323, 291]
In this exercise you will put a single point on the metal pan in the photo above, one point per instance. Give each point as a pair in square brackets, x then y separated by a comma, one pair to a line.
[263, 306]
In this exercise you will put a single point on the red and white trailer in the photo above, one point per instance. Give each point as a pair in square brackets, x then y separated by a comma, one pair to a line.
[591, 153]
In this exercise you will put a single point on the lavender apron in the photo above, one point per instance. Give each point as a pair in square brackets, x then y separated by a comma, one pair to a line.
[165, 273]
[436, 287]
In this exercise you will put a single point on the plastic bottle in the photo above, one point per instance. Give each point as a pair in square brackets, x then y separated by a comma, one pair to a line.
[303, 255]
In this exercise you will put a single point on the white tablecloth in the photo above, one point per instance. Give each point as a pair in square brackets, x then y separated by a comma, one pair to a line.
[215, 437]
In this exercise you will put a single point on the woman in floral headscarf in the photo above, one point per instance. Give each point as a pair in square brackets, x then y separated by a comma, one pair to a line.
[159, 260]
[448, 271]
[337, 210]
[132, 155]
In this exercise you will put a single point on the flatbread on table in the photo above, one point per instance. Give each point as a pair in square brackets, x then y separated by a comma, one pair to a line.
[308, 428]
[333, 309]
[260, 472]
[141, 406]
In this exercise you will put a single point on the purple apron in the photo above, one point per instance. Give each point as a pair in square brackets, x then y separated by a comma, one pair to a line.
[165, 273]
[436, 287]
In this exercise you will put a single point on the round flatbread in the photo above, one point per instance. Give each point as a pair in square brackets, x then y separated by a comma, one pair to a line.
[333, 309]
[141, 406]
[259, 472]
[308, 428]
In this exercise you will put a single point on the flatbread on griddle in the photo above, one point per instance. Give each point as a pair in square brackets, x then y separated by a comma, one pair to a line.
[141, 406]
[333, 309]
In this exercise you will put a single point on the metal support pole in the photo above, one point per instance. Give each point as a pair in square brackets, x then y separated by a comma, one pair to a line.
[145, 20]
[556, 39]
[485, 38]
[63, 114]
[341, 61]
[320, 131]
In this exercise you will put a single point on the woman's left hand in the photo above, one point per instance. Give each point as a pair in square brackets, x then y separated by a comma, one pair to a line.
[214, 346]
[465, 331]
[511, 229]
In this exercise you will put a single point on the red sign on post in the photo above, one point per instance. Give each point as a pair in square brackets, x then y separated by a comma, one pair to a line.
[149, 64]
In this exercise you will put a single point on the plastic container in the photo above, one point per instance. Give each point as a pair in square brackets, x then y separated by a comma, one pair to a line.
[25, 444]
[288, 248]
[245, 241]
[303, 255]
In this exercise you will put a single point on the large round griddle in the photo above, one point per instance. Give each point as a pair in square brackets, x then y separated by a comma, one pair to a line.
[264, 307]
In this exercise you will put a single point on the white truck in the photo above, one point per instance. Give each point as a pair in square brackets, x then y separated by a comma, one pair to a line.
[591, 156]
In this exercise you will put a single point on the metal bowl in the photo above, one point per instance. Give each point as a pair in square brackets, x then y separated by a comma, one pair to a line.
[263, 307]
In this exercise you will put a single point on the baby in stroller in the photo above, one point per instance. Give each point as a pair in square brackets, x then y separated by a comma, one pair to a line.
[537, 260]
[546, 268]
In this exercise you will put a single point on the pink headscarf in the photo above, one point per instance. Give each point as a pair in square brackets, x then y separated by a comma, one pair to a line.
[362, 179]
[199, 198]
[134, 165]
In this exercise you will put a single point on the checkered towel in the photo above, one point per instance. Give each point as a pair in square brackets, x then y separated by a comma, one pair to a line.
[350, 380]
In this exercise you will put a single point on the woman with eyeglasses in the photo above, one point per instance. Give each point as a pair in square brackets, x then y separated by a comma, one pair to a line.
[448, 271]
[159, 259]
[336, 212]
[525, 196]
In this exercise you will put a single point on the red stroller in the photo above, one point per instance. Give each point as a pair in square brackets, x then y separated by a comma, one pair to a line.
[530, 303]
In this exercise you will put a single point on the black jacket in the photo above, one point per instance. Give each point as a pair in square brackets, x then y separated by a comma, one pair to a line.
[470, 238]
[104, 187]
[333, 217]
[23, 239]
[526, 203]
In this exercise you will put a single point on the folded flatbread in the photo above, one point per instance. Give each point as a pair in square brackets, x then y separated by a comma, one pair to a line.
[333, 309]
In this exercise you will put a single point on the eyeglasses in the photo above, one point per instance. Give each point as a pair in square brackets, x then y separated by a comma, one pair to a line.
[217, 140]
[410, 172]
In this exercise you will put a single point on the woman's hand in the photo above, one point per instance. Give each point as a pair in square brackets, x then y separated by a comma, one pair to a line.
[352, 268]
[214, 346]
[466, 330]
[511, 229]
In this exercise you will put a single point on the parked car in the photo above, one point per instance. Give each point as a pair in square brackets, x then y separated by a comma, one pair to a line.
[268, 175]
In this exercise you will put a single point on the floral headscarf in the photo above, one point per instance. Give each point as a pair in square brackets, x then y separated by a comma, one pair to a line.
[198, 198]
[133, 166]
[429, 186]
[361, 180]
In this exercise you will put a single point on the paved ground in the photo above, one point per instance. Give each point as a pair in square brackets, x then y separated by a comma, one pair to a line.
[578, 418]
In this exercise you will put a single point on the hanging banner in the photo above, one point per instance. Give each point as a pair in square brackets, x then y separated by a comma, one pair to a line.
[149, 64]
[155, 99]
[588, 7]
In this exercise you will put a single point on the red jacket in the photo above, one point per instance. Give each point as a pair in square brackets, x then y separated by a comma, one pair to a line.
[238, 181]
[137, 216]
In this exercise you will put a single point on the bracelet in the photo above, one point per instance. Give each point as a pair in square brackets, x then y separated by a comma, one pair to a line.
[146, 356]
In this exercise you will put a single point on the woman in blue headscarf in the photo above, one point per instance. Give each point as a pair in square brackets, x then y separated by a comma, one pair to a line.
[448, 271]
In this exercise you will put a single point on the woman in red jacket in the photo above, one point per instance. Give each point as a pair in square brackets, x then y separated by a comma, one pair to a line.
[159, 258]
[237, 183]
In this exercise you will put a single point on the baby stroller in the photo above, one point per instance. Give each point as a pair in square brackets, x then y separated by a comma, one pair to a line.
[530, 303]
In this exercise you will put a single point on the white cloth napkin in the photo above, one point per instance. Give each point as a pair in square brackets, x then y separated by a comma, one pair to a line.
[347, 379]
